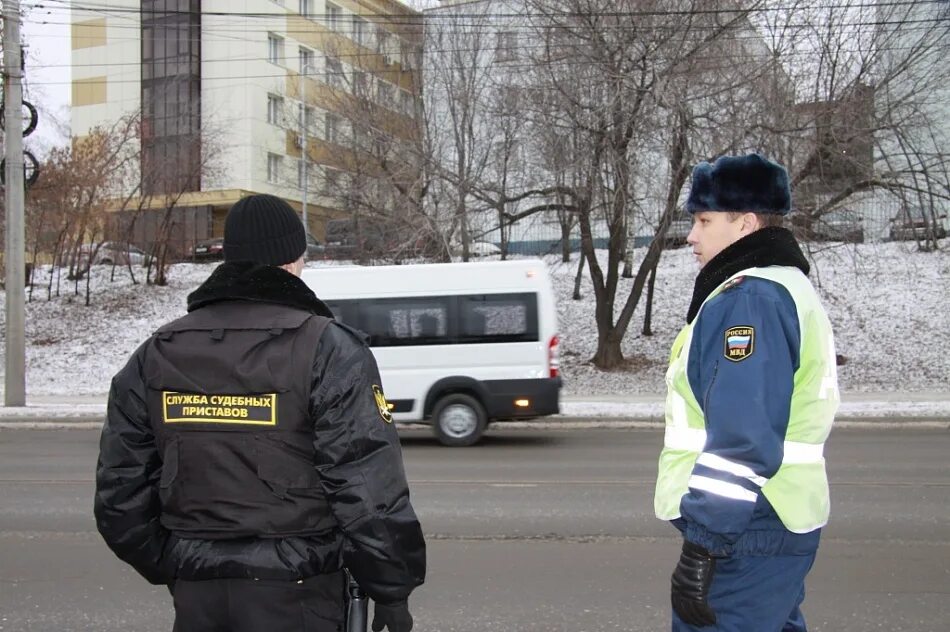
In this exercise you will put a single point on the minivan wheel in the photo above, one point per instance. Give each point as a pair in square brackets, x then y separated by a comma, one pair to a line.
[459, 420]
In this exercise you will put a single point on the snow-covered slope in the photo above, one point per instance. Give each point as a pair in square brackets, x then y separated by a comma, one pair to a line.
[889, 304]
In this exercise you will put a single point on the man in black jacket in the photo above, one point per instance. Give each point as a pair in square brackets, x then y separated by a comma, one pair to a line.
[248, 453]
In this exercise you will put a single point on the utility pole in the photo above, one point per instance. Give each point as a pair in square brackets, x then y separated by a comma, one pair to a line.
[15, 378]
[304, 123]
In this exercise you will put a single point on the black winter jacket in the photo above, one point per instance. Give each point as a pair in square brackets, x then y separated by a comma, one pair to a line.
[358, 460]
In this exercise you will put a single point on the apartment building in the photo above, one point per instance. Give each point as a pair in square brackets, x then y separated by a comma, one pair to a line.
[262, 96]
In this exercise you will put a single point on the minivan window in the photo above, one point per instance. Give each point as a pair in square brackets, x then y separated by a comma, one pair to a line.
[442, 320]
[414, 321]
[498, 318]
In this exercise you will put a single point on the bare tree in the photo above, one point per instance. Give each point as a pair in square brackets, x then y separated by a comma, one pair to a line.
[459, 81]
[66, 212]
[611, 71]
[870, 130]
[684, 81]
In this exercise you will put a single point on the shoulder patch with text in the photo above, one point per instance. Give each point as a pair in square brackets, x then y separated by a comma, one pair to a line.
[382, 404]
[739, 343]
[253, 410]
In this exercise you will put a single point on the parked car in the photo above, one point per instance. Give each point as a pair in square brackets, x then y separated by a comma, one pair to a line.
[349, 238]
[842, 224]
[678, 231]
[477, 249]
[111, 252]
[916, 226]
[208, 250]
[315, 250]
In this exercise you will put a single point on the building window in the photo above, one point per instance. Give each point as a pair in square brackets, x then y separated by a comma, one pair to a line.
[273, 168]
[305, 55]
[362, 138]
[384, 93]
[306, 8]
[332, 179]
[334, 16]
[406, 56]
[171, 97]
[383, 43]
[274, 105]
[407, 102]
[334, 71]
[361, 32]
[506, 46]
[333, 127]
[305, 115]
[275, 48]
[360, 83]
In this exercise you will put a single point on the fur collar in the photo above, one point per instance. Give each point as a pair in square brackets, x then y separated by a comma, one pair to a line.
[773, 246]
[249, 281]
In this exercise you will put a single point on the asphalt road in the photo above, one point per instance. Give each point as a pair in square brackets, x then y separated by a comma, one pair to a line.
[536, 530]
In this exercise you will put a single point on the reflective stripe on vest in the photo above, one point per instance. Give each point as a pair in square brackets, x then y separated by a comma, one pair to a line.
[798, 491]
[694, 440]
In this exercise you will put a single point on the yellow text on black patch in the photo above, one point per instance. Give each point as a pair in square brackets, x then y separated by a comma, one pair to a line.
[739, 343]
[382, 404]
[254, 410]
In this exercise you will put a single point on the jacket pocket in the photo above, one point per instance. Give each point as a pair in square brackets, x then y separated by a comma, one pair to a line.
[284, 478]
[169, 464]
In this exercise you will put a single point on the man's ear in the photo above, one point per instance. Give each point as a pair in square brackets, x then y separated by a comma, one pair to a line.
[750, 223]
[294, 267]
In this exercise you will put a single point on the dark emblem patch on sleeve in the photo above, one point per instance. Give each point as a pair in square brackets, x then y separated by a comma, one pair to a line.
[382, 404]
[731, 283]
[739, 343]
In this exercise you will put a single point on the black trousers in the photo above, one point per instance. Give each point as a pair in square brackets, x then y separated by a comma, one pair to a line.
[315, 604]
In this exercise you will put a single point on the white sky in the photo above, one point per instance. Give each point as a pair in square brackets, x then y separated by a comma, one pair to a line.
[45, 34]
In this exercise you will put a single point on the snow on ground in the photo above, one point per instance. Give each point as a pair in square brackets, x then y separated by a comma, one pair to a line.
[888, 303]
[889, 306]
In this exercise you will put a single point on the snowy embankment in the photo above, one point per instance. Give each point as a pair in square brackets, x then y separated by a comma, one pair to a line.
[889, 304]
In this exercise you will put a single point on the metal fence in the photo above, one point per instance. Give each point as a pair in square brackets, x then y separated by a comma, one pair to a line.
[871, 219]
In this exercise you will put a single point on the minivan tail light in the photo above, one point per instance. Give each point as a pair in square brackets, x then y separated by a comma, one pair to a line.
[554, 362]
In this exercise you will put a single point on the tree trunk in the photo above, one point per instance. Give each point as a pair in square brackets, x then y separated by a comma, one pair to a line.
[566, 244]
[627, 265]
[608, 354]
[648, 312]
[578, 277]
[628, 249]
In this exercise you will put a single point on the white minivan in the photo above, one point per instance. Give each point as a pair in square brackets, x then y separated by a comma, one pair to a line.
[459, 345]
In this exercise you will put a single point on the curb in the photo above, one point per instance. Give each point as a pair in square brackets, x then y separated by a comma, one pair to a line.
[94, 422]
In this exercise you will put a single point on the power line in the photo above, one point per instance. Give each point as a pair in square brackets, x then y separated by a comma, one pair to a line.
[507, 49]
[449, 12]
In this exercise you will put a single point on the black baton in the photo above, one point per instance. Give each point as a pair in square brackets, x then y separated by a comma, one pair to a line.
[357, 608]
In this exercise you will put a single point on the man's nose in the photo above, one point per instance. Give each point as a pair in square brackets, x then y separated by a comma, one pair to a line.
[692, 238]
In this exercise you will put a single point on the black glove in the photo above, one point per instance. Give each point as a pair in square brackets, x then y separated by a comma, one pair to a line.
[691, 581]
[393, 616]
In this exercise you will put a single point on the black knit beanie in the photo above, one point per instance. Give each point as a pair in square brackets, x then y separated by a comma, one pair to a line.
[265, 229]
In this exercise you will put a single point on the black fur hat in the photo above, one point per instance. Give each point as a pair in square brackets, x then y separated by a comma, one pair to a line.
[749, 183]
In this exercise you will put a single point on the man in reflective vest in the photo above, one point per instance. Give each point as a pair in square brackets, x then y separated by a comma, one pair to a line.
[752, 393]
